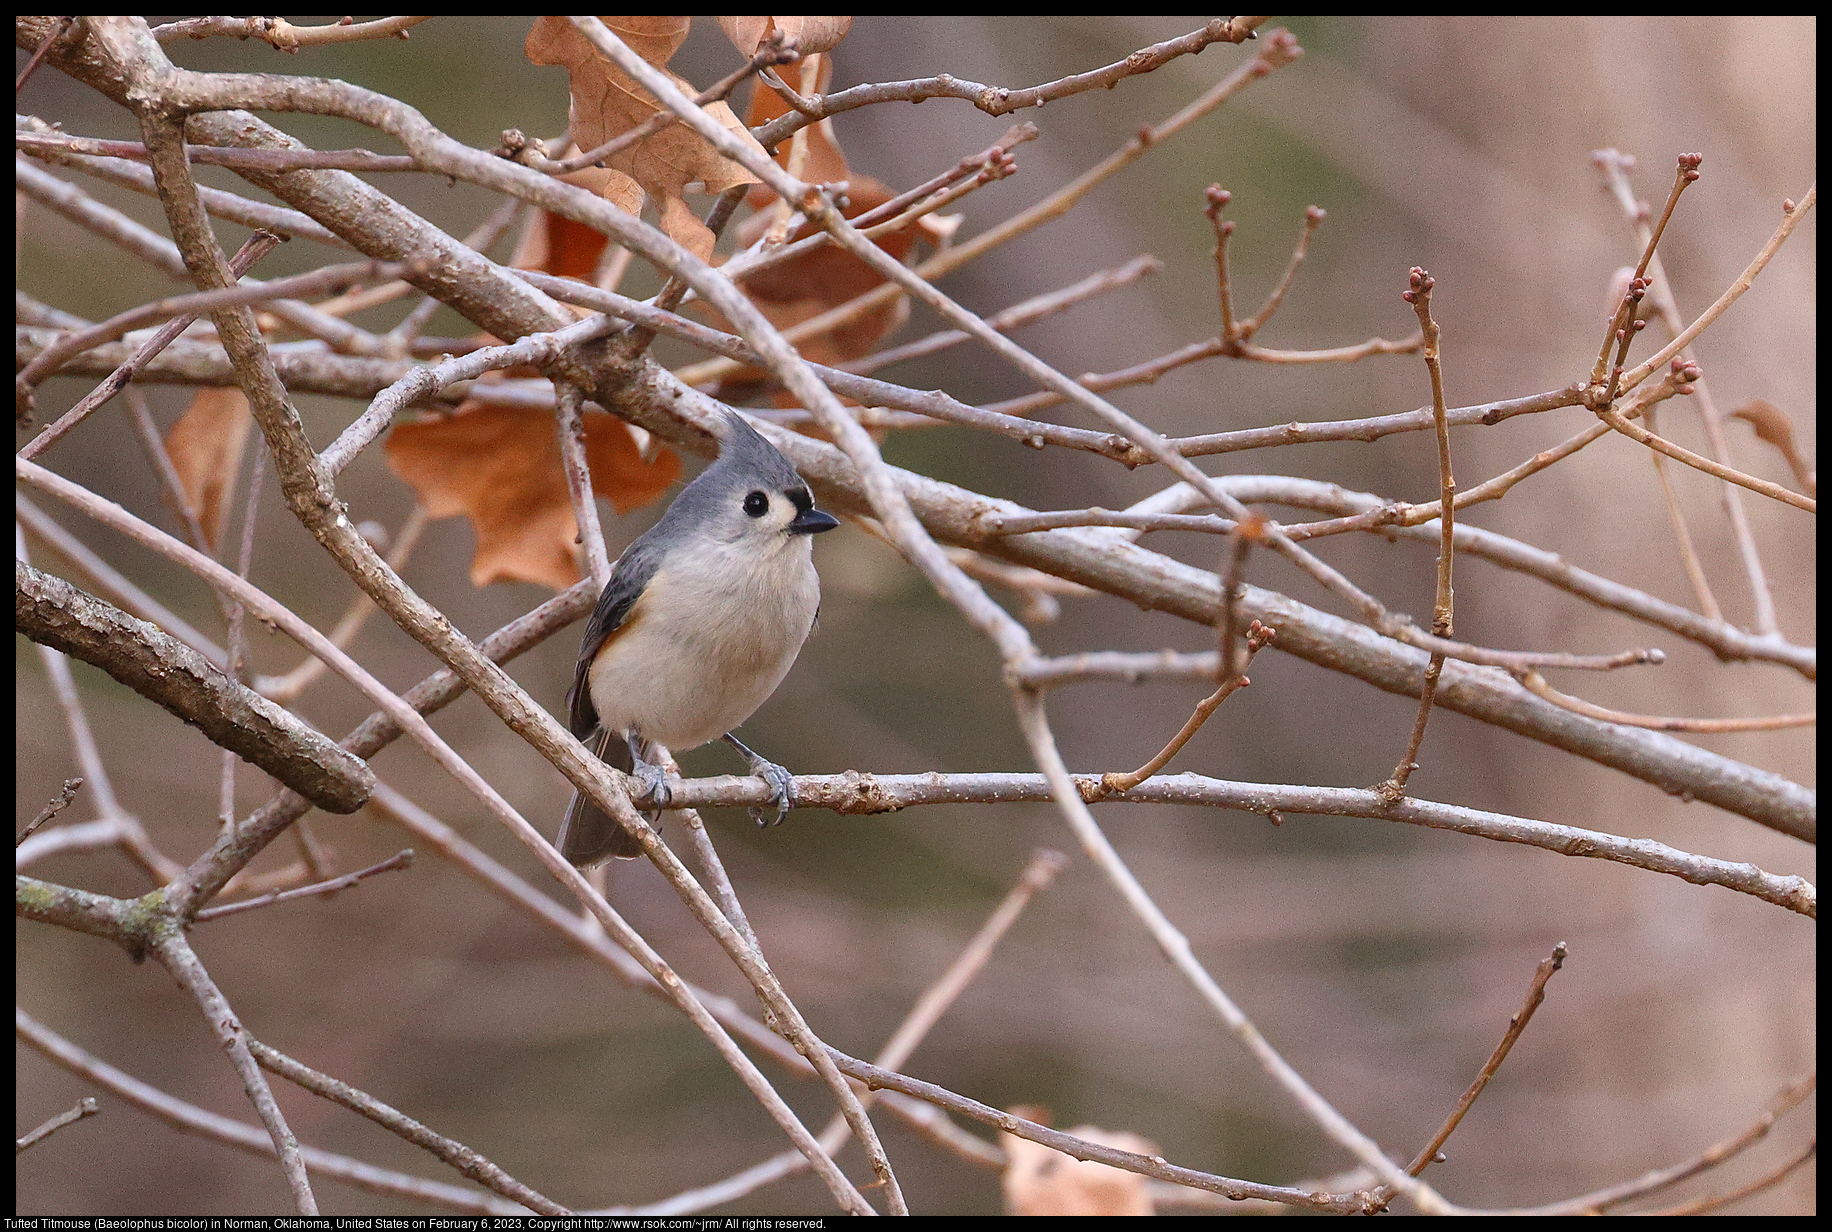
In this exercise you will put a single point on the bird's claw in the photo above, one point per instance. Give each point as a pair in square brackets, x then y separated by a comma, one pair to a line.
[782, 783]
[654, 790]
[782, 791]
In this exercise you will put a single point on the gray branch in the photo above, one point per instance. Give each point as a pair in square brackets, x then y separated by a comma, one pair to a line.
[156, 665]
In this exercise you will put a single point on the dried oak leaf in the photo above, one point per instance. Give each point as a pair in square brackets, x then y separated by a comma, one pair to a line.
[1773, 426]
[206, 447]
[806, 286]
[811, 35]
[555, 244]
[606, 102]
[500, 466]
[1039, 1180]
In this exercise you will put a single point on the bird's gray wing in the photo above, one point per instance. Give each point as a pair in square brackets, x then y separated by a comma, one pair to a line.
[587, 835]
[632, 573]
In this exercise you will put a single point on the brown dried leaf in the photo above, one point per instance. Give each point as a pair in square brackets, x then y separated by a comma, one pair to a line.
[605, 102]
[206, 446]
[555, 244]
[1773, 426]
[500, 466]
[813, 154]
[811, 35]
[1041, 1181]
[797, 290]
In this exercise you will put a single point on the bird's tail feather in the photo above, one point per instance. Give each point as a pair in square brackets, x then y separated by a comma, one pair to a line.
[589, 835]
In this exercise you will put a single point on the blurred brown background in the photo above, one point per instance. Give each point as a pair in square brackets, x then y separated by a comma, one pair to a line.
[1383, 960]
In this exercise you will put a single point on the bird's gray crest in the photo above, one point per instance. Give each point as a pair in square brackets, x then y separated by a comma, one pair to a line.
[745, 450]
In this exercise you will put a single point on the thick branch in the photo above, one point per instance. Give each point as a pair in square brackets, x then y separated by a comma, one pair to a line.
[158, 666]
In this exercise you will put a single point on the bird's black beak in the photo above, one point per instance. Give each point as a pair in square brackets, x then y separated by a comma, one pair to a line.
[812, 521]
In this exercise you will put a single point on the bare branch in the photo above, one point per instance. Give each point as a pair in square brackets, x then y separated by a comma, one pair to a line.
[456, 1154]
[54, 613]
[174, 953]
[189, 1118]
[85, 1107]
[57, 804]
[854, 793]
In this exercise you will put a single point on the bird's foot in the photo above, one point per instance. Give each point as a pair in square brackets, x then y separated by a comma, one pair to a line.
[655, 793]
[782, 784]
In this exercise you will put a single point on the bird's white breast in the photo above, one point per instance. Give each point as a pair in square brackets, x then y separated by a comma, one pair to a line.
[704, 646]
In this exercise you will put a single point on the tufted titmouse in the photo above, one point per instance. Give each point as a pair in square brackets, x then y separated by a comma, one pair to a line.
[701, 620]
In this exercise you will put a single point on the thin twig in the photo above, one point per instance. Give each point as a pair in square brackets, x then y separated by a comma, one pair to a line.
[1636, 432]
[44, 45]
[1418, 294]
[287, 689]
[569, 421]
[85, 1107]
[270, 161]
[999, 100]
[1313, 218]
[1682, 534]
[76, 719]
[1536, 993]
[1535, 682]
[1176, 948]
[189, 1118]
[1615, 169]
[324, 889]
[1017, 316]
[713, 872]
[1774, 1176]
[1731, 294]
[175, 954]
[453, 1153]
[159, 458]
[1596, 1203]
[56, 805]
[1218, 198]
[1258, 636]
[858, 794]
[283, 34]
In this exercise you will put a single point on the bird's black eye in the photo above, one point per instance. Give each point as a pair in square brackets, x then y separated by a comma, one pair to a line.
[756, 504]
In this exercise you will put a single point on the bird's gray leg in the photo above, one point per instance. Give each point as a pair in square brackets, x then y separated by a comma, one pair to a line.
[650, 777]
[782, 783]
